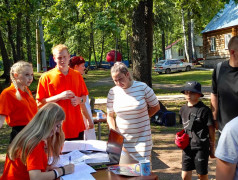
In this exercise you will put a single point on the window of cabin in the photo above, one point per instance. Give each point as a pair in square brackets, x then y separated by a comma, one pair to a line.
[213, 44]
[180, 52]
[227, 39]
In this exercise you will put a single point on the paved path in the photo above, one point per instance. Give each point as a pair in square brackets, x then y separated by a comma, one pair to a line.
[163, 98]
[174, 87]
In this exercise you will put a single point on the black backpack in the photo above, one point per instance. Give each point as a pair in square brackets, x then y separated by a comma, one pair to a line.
[163, 117]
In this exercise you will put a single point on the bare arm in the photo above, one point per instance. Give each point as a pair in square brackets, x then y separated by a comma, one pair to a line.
[2, 119]
[111, 121]
[212, 140]
[214, 107]
[87, 116]
[50, 175]
[225, 170]
[62, 96]
[153, 110]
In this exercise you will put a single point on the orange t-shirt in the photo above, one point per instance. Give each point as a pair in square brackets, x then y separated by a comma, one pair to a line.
[16, 170]
[54, 82]
[17, 112]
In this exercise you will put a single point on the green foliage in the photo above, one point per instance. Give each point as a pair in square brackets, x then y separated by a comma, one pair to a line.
[69, 22]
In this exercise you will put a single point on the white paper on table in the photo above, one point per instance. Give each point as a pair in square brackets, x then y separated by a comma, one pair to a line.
[97, 158]
[76, 157]
[94, 145]
[81, 172]
[73, 145]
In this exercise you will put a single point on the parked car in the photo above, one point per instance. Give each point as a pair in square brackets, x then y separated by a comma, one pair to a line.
[172, 65]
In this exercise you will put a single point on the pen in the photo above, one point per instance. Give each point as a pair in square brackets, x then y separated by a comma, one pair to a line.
[69, 159]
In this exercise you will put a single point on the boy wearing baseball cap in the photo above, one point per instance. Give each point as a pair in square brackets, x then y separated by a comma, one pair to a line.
[198, 124]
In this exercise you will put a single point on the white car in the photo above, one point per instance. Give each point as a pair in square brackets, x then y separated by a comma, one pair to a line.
[172, 65]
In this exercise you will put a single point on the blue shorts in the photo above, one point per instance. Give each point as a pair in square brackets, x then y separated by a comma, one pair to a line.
[195, 159]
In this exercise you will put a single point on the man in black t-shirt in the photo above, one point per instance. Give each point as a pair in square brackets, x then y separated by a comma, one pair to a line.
[224, 96]
[198, 124]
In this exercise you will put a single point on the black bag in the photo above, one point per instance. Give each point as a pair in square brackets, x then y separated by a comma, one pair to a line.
[158, 118]
[169, 118]
[164, 117]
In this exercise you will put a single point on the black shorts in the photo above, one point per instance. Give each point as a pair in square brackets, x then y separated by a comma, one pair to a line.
[195, 159]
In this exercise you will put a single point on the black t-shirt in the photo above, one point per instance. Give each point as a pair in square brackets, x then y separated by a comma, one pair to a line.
[226, 87]
[200, 132]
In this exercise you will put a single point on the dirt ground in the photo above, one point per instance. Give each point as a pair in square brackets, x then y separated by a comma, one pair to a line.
[167, 158]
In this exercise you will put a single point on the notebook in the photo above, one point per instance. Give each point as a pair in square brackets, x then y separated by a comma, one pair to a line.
[114, 148]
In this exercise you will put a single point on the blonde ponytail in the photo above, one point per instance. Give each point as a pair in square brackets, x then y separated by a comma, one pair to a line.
[17, 68]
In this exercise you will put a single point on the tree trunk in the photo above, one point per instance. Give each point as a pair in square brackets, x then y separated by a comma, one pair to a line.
[90, 49]
[43, 58]
[131, 42]
[103, 37]
[190, 53]
[184, 36]
[156, 49]
[94, 52]
[38, 49]
[115, 55]
[6, 61]
[163, 44]
[193, 41]
[92, 45]
[149, 27]
[28, 37]
[142, 28]
[11, 41]
[10, 34]
[19, 37]
[127, 47]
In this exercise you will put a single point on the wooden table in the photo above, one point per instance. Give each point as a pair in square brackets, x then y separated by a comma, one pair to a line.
[99, 121]
[104, 174]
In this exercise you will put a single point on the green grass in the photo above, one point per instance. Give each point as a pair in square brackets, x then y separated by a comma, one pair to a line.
[204, 77]
[99, 92]
[95, 75]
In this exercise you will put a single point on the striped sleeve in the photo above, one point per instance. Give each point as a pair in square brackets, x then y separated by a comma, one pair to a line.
[150, 97]
[110, 98]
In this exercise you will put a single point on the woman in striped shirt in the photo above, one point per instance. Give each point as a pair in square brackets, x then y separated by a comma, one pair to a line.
[134, 103]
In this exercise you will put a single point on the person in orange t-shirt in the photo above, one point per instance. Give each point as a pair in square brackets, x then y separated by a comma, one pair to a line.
[18, 106]
[77, 63]
[28, 154]
[67, 88]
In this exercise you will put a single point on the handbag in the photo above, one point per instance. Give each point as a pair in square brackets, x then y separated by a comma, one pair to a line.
[182, 139]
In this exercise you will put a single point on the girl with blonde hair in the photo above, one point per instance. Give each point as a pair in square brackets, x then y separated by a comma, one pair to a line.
[28, 154]
[18, 106]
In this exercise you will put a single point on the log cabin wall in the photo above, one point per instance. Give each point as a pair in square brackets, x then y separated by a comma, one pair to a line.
[211, 58]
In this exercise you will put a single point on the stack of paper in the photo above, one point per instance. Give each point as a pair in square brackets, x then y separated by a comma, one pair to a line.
[90, 145]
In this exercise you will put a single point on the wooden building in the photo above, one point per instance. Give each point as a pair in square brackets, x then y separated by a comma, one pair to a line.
[217, 34]
[176, 49]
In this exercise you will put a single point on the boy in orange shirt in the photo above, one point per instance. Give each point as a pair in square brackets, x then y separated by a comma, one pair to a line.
[65, 86]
